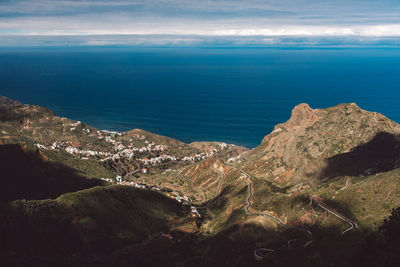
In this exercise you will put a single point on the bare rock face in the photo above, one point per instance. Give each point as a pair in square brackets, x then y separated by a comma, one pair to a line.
[308, 144]
[301, 114]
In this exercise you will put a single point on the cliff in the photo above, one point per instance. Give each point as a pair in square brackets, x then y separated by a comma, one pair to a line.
[306, 146]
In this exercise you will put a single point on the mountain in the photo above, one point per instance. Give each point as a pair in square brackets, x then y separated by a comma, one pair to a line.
[347, 156]
[308, 145]
[318, 186]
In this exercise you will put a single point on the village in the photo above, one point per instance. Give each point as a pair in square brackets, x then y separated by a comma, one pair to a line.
[127, 150]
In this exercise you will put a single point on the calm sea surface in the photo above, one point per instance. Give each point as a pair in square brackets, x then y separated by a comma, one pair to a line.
[235, 95]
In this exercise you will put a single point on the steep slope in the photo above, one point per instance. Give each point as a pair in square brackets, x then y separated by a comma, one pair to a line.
[317, 152]
[348, 157]
[304, 147]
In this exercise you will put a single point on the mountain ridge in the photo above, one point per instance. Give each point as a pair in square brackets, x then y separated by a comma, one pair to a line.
[342, 156]
[299, 146]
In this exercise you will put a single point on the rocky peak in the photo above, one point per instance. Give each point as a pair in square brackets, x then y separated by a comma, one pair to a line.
[301, 146]
[302, 117]
[301, 113]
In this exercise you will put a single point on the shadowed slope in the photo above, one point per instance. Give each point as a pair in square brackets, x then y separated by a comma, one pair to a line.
[82, 227]
[381, 154]
[28, 175]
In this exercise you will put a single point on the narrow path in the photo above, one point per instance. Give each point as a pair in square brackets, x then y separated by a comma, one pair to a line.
[341, 189]
[347, 184]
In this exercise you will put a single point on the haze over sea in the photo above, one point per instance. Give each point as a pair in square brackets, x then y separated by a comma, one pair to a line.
[235, 95]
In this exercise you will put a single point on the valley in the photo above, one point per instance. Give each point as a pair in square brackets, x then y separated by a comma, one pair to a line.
[319, 185]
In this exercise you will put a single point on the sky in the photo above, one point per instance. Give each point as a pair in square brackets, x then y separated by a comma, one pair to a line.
[199, 22]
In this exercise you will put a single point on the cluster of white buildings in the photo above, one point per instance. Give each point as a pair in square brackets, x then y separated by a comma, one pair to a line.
[201, 156]
[136, 185]
[223, 145]
[194, 158]
[40, 146]
[125, 151]
[73, 150]
[130, 151]
[237, 158]
[120, 150]
[77, 151]
[74, 125]
[158, 160]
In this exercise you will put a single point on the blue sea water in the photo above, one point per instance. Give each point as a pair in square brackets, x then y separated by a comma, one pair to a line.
[235, 95]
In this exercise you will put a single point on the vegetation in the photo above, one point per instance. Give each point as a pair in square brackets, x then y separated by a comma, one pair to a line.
[55, 213]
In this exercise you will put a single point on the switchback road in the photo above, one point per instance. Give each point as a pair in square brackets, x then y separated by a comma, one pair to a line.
[353, 225]
[248, 200]
[260, 252]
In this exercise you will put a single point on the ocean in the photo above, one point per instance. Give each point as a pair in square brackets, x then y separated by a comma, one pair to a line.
[234, 95]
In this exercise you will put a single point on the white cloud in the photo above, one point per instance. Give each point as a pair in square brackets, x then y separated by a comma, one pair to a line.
[114, 25]
[213, 18]
[183, 40]
[371, 30]
[380, 30]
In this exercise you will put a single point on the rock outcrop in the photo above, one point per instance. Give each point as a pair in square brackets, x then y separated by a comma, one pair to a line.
[305, 145]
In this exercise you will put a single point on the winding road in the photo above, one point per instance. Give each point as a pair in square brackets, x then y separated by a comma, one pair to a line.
[218, 191]
[259, 253]
[248, 200]
[353, 225]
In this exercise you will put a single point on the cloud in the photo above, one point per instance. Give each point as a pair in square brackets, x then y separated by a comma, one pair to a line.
[212, 18]
[195, 40]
